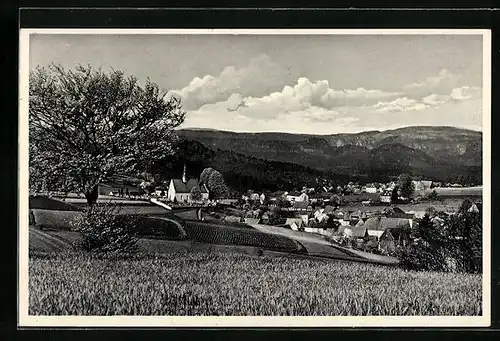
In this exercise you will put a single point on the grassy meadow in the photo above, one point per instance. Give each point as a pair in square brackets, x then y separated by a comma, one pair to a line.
[199, 283]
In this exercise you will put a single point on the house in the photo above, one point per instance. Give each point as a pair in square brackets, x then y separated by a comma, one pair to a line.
[304, 218]
[384, 239]
[303, 197]
[233, 219]
[161, 191]
[293, 196]
[294, 223]
[228, 202]
[276, 195]
[396, 212]
[383, 223]
[398, 227]
[180, 189]
[254, 197]
[422, 185]
[300, 205]
[252, 221]
[346, 219]
[475, 208]
[357, 232]
[437, 221]
[385, 197]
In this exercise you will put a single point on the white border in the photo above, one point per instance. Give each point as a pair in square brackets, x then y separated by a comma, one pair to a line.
[24, 320]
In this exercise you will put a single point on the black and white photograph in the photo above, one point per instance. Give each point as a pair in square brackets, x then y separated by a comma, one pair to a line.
[254, 177]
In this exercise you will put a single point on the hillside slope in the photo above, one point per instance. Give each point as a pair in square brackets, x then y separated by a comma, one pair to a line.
[440, 153]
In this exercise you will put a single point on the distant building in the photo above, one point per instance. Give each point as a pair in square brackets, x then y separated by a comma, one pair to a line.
[422, 185]
[233, 219]
[386, 197]
[294, 223]
[293, 196]
[300, 206]
[179, 189]
[475, 208]
[384, 239]
[398, 227]
[161, 191]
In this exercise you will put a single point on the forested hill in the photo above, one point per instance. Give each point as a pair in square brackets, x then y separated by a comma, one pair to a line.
[287, 161]
[445, 143]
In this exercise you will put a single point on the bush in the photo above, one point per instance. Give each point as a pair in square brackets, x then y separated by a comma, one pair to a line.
[103, 230]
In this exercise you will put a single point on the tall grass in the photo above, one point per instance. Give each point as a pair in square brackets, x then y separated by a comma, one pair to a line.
[235, 284]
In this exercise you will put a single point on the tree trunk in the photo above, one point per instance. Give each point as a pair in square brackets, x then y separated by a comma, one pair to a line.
[92, 195]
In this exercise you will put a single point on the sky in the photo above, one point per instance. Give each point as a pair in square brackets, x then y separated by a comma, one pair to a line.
[316, 84]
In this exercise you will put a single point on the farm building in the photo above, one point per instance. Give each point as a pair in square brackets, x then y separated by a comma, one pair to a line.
[383, 223]
[180, 189]
[384, 239]
[398, 227]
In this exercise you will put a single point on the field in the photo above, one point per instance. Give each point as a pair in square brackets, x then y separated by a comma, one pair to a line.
[228, 235]
[460, 191]
[198, 283]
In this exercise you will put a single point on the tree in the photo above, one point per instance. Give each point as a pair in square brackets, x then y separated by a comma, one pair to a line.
[205, 174]
[394, 195]
[432, 196]
[215, 183]
[428, 249]
[406, 185]
[335, 200]
[195, 194]
[86, 125]
[465, 236]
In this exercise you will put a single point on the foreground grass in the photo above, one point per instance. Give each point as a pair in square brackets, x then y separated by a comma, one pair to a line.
[235, 284]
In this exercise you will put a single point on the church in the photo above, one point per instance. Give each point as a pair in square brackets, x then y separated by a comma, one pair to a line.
[179, 189]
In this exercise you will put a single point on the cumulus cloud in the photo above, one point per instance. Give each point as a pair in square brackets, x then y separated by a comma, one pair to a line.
[399, 105]
[319, 94]
[260, 77]
[435, 99]
[256, 98]
[465, 92]
[442, 84]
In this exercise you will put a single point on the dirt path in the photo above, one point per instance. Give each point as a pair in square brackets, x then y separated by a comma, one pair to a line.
[317, 246]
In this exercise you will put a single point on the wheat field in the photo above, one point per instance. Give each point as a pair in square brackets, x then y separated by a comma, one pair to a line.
[235, 284]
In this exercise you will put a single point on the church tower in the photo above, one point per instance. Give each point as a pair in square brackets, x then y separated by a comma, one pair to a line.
[184, 177]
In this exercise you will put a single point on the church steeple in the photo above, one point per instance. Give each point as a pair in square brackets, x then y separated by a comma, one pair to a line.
[184, 177]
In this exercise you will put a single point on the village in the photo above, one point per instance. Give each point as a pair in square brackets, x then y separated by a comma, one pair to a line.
[368, 217]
